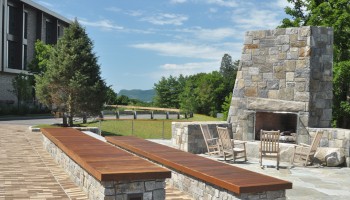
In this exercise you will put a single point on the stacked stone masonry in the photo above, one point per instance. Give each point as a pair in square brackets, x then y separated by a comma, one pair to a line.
[284, 70]
[105, 190]
[187, 136]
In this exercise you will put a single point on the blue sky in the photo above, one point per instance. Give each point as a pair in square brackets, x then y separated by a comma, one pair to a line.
[139, 41]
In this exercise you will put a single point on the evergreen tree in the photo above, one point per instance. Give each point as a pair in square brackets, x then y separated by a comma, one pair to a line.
[72, 81]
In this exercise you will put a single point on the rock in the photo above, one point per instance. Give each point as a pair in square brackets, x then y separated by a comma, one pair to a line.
[330, 157]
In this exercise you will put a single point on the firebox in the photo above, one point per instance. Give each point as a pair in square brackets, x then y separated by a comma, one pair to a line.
[286, 122]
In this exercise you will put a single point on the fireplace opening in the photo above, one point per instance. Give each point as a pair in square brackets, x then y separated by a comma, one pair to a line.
[283, 121]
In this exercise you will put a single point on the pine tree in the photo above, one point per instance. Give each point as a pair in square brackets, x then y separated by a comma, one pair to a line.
[72, 81]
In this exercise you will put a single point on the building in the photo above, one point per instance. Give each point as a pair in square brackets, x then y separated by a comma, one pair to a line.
[23, 22]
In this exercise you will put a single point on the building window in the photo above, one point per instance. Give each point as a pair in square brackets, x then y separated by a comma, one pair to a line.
[13, 27]
[58, 31]
[50, 32]
[25, 57]
[25, 25]
[14, 61]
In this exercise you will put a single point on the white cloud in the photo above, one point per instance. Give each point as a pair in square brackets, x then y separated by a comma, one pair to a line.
[283, 3]
[166, 18]
[225, 3]
[183, 50]
[215, 34]
[178, 1]
[114, 9]
[104, 24]
[213, 10]
[256, 19]
[186, 69]
[46, 4]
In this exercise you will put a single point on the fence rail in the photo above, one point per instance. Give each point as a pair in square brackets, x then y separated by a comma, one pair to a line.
[143, 128]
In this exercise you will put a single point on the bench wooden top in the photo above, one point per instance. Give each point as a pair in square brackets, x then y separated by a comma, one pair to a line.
[232, 178]
[102, 160]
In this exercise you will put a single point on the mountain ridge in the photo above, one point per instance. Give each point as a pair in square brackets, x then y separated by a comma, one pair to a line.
[143, 95]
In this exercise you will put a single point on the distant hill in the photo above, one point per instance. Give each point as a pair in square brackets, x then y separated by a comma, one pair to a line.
[143, 95]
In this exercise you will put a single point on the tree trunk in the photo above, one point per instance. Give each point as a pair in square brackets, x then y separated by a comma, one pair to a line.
[70, 120]
[84, 119]
[64, 120]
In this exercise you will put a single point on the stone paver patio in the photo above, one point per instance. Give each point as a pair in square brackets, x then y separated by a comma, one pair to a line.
[27, 171]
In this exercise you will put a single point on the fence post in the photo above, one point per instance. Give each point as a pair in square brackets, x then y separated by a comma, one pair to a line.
[163, 131]
[152, 115]
[99, 128]
[132, 127]
[167, 115]
[135, 115]
[117, 114]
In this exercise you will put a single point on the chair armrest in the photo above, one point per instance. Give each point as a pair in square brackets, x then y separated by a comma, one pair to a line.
[304, 145]
[238, 141]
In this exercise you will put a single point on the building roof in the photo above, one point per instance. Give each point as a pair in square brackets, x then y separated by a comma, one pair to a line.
[46, 10]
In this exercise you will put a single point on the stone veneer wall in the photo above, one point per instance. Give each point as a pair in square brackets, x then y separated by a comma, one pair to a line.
[284, 70]
[96, 190]
[187, 136]
[201, 190]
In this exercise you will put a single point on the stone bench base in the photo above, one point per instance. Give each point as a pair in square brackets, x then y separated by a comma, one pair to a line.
[147, 189]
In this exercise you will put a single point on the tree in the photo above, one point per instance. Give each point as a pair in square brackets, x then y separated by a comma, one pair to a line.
[168, 92]
[111, 96]
[72, 81]
[335, 14]
[40, 61]
[226, 106]
[22, 88]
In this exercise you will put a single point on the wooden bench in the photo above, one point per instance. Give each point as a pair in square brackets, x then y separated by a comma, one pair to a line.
[231, 178]
[102, 160]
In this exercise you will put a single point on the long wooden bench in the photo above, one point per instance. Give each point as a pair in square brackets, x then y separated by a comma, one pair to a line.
[111, 166]
[102, 160]
[234, 179]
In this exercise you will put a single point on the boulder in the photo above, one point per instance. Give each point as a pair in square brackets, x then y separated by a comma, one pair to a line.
[330, 157]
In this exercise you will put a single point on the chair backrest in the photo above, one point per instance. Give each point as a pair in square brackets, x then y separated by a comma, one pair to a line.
[315, 142]
[269, 141]
[224, 137]
[205, 131]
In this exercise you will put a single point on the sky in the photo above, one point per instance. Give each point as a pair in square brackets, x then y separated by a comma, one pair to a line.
[139, 41]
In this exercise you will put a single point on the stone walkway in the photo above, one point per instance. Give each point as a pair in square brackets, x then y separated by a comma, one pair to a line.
[27, 171]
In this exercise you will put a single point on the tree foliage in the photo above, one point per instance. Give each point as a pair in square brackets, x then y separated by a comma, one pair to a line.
[202, 93]
[168, 92]
[22, 88]
[40, 61]
[335, 14]
[72, 81]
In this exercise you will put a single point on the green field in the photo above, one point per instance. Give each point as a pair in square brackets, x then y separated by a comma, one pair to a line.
[148, 129]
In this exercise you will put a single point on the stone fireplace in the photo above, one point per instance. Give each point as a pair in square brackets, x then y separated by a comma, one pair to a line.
[284, 82]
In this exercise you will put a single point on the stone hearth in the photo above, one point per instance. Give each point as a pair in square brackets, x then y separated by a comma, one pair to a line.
[283, 71]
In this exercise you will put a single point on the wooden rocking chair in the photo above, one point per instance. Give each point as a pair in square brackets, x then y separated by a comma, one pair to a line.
[304, 153]
[211, 142]
[228, 148]
[269, 145]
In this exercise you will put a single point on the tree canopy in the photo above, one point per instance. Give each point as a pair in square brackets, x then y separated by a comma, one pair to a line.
[72, 81]
[202, 93]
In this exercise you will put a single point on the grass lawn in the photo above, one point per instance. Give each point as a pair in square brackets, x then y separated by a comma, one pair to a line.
[148, 129]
